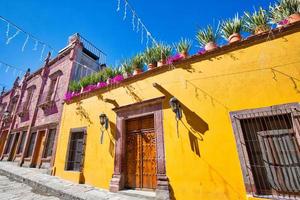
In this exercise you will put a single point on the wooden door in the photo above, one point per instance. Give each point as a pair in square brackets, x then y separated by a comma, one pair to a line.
[2, 140]
[39, 147]
[140, 153]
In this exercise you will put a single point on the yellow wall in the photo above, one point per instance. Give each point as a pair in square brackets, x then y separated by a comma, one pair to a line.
[208, 89]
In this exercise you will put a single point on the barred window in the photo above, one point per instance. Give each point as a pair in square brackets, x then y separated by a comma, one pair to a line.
[50, 143]
[21, 146]
[31, 144]
[76, 150]
[269, 145]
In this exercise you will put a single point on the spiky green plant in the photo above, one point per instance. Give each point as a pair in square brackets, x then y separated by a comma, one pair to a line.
[207, 35]
[282, 9]
[276, 13]
[74, 86]
[138, 61]
[85, 81]
[257, 21]
[152, 54]
[127, 67]
[184, 45]
[109, 73]
[118, 71]
[231, 26]
[290, 7]
[165, 50]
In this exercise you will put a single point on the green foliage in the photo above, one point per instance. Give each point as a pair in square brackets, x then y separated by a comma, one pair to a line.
[127, 66]
[207, 35]
[152, 54]
[184, 45]
[283, 9]
[117, 71]
[85, 81]
[165, 50]
[74, 86]
[108, 73]
[231, 26]
[138, 61]
[256, 21]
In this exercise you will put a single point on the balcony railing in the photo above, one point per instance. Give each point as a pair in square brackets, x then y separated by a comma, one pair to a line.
[92, 50]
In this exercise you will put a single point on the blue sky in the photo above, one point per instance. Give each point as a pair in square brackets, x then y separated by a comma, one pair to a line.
[97, 20]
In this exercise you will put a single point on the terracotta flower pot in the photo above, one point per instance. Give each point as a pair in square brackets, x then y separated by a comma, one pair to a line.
[161, 62]
[152, 65]
[235, 37]
[294, 18]
[210, 46]
[126, 75]
[260, 30]
[184, 54]
[137, 71]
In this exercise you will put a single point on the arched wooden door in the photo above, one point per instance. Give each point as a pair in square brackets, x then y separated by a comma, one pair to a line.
[141, 169]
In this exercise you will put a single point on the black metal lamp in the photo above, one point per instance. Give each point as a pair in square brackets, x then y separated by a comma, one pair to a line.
[175, 105]
[104, 124]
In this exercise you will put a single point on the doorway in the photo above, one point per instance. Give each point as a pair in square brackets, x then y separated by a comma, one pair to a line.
[2, 140]
[40, 143]
[14, 146]
[141, 169]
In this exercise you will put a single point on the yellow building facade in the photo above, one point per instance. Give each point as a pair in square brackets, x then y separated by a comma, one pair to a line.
[198, 156]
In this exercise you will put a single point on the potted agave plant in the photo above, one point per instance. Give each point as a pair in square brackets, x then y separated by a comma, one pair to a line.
[277, 16]
[127, 69]
[85, 81]
[231, 28]
[74, 86]
[151, 56]
[183, 47]
[289, 9]
[165, 51]
[208, 37]
[256, 22]
[109, 73]
[138, 64]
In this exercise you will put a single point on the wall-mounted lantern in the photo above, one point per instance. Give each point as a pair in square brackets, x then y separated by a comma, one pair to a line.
[175, 105]
[104, 124]
[6, 114]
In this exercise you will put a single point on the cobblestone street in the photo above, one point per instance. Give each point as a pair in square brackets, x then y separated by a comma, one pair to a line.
[10, 189]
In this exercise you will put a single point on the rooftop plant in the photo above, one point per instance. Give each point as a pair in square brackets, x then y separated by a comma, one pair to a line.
[256, 22]
[165, 50]
[74, 86]
[207, 35]
[231, 26]
[138, 61]
[276, 13]
[85, 81]
[183, 46]
[290, 7]
[152, 54]
[127, 67]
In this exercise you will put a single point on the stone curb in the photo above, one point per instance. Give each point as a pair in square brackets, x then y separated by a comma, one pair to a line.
[60, 188]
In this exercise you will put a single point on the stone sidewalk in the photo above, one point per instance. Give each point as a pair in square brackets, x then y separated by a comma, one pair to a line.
[62, 189]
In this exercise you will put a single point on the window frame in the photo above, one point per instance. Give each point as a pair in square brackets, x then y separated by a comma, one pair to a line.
[45, 152]
[76, 130]
[237, 116]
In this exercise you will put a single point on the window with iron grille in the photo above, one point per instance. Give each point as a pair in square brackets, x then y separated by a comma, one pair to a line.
[50, 143]
[9, 143]
[21, 146]
[31, 144]
[28, 98]
[76, 150]
[268, 142]
[51, 88]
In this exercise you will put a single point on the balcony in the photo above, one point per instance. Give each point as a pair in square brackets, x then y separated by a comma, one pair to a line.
[23, 109]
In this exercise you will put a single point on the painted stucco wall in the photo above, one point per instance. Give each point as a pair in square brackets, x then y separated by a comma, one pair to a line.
[202, 160]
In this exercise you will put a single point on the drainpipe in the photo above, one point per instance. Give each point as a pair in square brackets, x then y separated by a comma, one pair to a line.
[44, 76]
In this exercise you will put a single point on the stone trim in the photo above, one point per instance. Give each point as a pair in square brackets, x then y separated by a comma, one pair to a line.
[149, 107]
[235, 117]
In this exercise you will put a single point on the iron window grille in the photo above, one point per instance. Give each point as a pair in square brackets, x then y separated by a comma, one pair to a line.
[31, 145]
[76, 149]
[50, 143]
[268, 145]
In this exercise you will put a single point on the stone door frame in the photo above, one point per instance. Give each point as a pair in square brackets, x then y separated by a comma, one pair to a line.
[136, 110]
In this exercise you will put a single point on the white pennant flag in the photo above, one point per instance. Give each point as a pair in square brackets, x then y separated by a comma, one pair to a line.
[133, 21]
[23, 47]
[35, 45]
[125, 10]
[118, 8]
[42, 52]
[12, 37]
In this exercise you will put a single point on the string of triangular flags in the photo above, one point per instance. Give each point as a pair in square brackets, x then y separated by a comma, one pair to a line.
[9, 68]
[137, 24]
[12, 31]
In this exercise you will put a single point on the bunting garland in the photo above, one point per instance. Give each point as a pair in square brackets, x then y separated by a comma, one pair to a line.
[10, 35]
[136, 22]
[11, 68]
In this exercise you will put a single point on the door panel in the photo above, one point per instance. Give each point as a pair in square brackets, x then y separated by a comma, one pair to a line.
[2, 140]
[140, 153]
